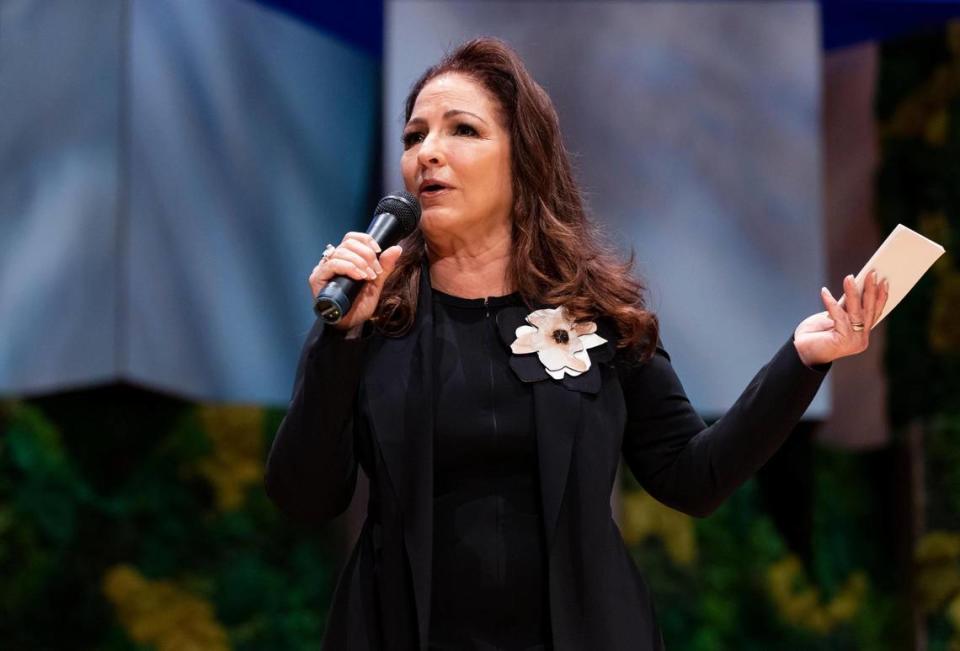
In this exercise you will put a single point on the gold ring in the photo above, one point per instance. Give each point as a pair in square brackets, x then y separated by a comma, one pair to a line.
[857, 327]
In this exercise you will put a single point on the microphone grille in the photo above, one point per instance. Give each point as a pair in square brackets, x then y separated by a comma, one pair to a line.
[404, 206]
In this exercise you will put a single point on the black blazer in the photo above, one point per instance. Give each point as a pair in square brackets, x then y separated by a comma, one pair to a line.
[366, 402]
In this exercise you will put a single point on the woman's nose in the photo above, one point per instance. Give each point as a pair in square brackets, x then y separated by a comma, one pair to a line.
[430, 151]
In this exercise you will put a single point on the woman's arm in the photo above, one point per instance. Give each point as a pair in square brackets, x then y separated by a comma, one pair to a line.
[694, 468]
[312, 467]
[311, 471]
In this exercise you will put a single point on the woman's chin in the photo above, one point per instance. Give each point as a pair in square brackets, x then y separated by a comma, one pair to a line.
[439, 219]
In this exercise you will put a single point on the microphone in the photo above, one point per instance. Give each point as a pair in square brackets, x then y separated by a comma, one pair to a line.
[394, 218]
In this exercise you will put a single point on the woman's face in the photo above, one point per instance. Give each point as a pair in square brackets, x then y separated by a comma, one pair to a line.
[456, 159]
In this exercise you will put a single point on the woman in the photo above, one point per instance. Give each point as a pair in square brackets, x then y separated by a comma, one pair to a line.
[490, 376]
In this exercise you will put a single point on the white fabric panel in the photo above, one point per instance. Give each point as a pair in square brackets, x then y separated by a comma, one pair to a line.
[58, 188]
[695, 131]
[253, 139]
[170, 174]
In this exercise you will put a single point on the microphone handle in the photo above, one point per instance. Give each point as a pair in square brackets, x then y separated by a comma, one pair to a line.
[337, 296]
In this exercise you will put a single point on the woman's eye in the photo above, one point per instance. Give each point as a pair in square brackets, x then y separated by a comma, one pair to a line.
[411, 138]
[464, 130]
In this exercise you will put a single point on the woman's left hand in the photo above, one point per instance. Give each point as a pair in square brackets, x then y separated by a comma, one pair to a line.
[826, 336]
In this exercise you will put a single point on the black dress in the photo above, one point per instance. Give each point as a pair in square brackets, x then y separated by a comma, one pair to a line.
[489, 577]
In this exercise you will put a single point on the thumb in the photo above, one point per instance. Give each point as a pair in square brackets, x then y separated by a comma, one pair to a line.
[388, 260]
[819, 322]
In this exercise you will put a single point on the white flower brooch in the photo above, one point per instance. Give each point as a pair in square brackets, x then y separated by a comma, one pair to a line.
[560, 344]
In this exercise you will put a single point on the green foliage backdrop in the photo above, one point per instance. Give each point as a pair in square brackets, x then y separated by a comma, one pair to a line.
[742, 587]
[129, 520]
[918, 106]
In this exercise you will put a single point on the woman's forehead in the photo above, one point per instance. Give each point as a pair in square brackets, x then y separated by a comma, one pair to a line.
[454, 91]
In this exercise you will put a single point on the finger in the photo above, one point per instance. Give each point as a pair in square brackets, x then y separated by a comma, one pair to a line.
[882, 300]
[343, 253]
[340, 267]
[364, 251]
[870, 291]
[389, 259]
[836, 312]
[853, 307]
[821, 321]
[366, 238]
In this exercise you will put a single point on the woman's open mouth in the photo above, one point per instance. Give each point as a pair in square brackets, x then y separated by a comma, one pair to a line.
[429, 189]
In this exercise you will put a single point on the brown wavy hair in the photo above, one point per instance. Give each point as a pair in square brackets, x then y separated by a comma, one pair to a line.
[559, 257]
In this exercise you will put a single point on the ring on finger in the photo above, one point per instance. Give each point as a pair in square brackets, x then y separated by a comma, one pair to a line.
[327, 252]
[857, 326]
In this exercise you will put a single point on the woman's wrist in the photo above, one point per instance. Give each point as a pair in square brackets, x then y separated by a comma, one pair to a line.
[808, 361]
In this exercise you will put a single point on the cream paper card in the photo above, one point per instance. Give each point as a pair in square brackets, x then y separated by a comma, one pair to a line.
[902, 259]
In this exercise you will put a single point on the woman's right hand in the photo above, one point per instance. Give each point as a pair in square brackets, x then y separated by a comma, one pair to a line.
[356, 257]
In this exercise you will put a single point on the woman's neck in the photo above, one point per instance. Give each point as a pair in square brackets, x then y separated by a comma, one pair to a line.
[474, 271]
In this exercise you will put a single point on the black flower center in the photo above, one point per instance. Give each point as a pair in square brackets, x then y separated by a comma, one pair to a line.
[561, 336]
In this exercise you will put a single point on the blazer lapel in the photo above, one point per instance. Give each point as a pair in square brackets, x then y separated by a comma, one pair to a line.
[399, 386]
[557, 406]
[400, 392]
[557, 418]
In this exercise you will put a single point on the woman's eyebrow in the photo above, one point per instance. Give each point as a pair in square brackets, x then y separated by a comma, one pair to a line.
[448, 114]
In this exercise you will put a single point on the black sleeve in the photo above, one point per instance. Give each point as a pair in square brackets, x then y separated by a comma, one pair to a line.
[694, 468]
[311, 470]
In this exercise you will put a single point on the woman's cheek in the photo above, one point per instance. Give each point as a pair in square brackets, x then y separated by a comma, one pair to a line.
[407, 175]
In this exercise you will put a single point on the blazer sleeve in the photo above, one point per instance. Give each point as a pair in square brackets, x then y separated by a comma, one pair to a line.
[311, 470]
[694, 468]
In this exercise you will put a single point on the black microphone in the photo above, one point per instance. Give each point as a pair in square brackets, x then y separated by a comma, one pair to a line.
[395, 217]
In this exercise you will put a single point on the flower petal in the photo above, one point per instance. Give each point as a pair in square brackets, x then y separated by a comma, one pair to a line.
[552, 320]
[584, 356]
[575, 343]
[554, 358]
[585, 328]
[591, 340]
[543, 318]
[529, 340]
[577, 363]
[556, 375]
